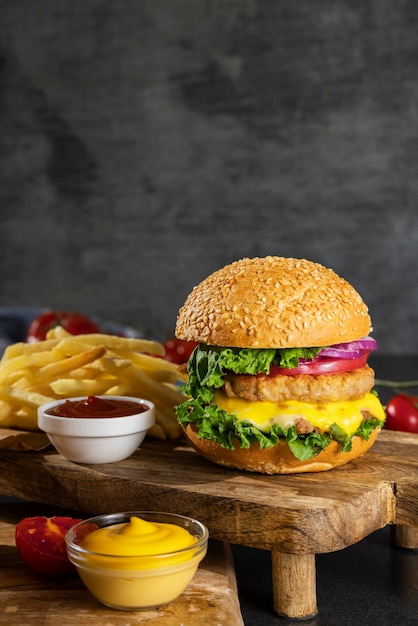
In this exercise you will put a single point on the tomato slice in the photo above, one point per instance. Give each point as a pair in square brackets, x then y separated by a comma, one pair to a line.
[73, 323]
[40, 542]
[322, 365]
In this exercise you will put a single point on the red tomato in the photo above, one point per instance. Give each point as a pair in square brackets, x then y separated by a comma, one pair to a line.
[73, 323]
[323, 365]
[178, 351]
[40, 542]
[402, 413]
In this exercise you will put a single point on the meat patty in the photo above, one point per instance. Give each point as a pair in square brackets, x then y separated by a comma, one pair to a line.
[303, 387]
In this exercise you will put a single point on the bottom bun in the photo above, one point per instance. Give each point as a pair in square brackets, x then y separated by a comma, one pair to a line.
[279, 459]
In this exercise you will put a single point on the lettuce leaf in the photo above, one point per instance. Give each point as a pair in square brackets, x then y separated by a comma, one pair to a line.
[208, 365]
[221, 427]
[207, 368]
[289, 357]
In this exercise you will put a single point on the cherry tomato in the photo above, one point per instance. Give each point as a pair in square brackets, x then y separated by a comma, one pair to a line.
[40, 542]
[178, 351]
[402, 413]
[322, 365]
[73, 323]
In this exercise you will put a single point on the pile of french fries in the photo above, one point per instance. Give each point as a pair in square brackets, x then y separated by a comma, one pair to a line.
[64, 366]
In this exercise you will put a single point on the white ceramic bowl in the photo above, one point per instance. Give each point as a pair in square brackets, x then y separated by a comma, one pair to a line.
[136, 582]
[97, 440]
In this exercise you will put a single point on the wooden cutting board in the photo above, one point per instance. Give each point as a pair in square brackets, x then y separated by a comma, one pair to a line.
[296, 516]
[30, 599]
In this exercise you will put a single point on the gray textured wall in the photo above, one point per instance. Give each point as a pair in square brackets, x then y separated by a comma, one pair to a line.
[145, 144]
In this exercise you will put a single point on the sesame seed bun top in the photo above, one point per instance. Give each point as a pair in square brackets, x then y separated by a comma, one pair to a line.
[273, 302]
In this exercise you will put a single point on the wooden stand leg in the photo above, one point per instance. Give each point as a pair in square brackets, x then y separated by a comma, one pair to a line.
[294, 584]
[405, 537]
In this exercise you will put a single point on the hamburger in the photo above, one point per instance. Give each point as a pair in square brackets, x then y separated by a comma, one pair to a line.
[279, 382]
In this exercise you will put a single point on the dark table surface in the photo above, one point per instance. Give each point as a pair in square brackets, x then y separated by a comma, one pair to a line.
[371, 583]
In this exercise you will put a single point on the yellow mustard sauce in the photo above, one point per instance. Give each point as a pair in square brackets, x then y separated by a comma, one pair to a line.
[139, 564]
[140, 538]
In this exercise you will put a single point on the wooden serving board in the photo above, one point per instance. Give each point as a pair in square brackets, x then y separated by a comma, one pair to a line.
[296, 516]
[30, 599]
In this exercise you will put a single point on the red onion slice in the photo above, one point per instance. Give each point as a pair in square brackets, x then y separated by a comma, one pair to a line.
[350, 350]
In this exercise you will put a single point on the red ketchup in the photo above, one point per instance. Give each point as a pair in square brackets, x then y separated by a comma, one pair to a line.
[97, 407]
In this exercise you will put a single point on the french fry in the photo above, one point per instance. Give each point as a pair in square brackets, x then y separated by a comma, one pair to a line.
[57, 332]
[54, 370]
[114, 342]
[11, 351]
[168, 423]
[26, 417]
[7, 409]
[86, 373]
[121, 390]
[19, 396]
[11, 368]
[113, 366]
[21, 348]
[157, 432]
[71, 387]
[144, 384]
[154, 368]
[65, 365]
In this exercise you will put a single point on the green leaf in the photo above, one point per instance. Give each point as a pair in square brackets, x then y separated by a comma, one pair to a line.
[247, 360]
[367, 427]
[289, 357]
[342, 437]
[207, 368]
[221, 427]
[208, 365]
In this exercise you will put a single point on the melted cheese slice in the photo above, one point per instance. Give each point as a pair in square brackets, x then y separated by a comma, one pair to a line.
[347, 415]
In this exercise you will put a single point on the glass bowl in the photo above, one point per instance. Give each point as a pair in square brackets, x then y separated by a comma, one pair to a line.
[145, 581]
